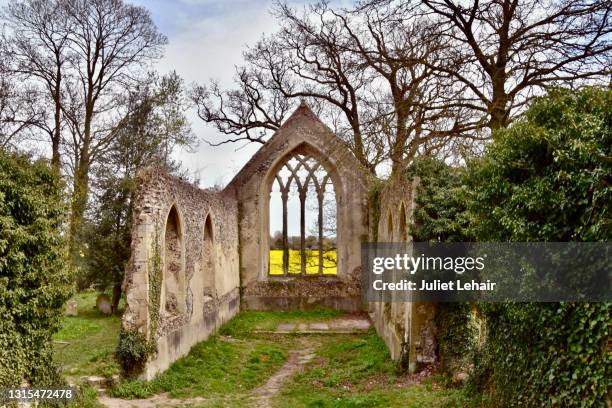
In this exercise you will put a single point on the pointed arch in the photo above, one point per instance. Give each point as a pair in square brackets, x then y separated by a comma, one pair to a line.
[208, 229]
[173, 288]
[306, 173]
[208, 259]
[390, 226]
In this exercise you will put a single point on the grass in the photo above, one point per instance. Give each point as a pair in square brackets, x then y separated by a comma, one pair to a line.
[356, 371]
[348, 370]
[228, 365]
[423, 395]
[87, 398]
[86, 343]
[295, 262]
[214, 368]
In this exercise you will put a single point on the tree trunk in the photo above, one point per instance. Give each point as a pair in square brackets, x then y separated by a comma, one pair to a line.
[57, 135]
[79, 204]
[116, 294]
[401, 133]
[81, 189]
[498, 108]
[359, 149]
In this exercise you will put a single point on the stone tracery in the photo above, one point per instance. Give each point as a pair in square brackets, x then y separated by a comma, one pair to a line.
[304, 176]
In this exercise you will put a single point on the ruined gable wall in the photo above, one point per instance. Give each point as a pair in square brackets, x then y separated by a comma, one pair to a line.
[251, 186]
[209, 295]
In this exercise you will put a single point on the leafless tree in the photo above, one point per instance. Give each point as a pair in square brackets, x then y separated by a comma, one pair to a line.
[109, 44]
[415, 108]
[367, 74]
[80, 56]
[35, 50]
[19, 113]
[245, 113]
[509, 50]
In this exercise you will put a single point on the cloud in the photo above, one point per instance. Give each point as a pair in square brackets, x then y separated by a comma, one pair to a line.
[206, 40]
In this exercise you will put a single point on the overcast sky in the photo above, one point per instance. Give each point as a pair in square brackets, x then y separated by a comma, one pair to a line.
[205, 40]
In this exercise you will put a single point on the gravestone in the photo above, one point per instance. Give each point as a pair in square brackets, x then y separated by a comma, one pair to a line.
[72, 308]
[103, 304]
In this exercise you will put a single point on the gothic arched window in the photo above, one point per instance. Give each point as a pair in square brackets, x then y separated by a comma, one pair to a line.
[173, 300]
[302, 219]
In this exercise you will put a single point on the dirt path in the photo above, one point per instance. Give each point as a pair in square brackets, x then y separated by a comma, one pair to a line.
[161, 400]
[296, 361]
[262, 396]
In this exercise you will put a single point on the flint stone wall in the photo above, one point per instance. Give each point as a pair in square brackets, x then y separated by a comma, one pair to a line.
[218, 250]
[210, 295]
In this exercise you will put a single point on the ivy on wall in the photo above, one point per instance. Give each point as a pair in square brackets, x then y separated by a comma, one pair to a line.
[135, 348]
[546, 355]
[374, 197]
[35, 281]
[155, 282]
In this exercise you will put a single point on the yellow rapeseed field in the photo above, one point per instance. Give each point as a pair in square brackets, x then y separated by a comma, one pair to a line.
[312, 262]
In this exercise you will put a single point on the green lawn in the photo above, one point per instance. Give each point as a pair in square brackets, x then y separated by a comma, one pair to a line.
[229, 364]
[218, 368]
[356, 371]
[347, 370]
[86, 343]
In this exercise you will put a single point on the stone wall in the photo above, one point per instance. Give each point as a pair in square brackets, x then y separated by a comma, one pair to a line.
[200, 255]
[304, 133]
[408, 328]
[192, 235]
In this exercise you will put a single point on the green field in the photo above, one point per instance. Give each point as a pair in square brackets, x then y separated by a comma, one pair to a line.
[86, 343]
[348, 370]
[312, 262]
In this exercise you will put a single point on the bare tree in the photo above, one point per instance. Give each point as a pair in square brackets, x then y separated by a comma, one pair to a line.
[109, 44]
[367, 74]
[507, 50]
[35, 49]
[245, 113]
[19, 113]
[415, 108]
[302, 61]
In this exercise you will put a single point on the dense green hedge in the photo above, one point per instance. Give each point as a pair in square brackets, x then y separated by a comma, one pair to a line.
[440, 212]
[35, 280]
[549, 176]
[546, 354]
[546, 178]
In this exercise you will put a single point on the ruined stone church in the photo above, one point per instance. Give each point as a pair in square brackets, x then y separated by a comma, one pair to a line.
[201, 256]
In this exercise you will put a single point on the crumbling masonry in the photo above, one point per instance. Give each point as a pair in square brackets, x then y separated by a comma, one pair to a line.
[199, 256]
